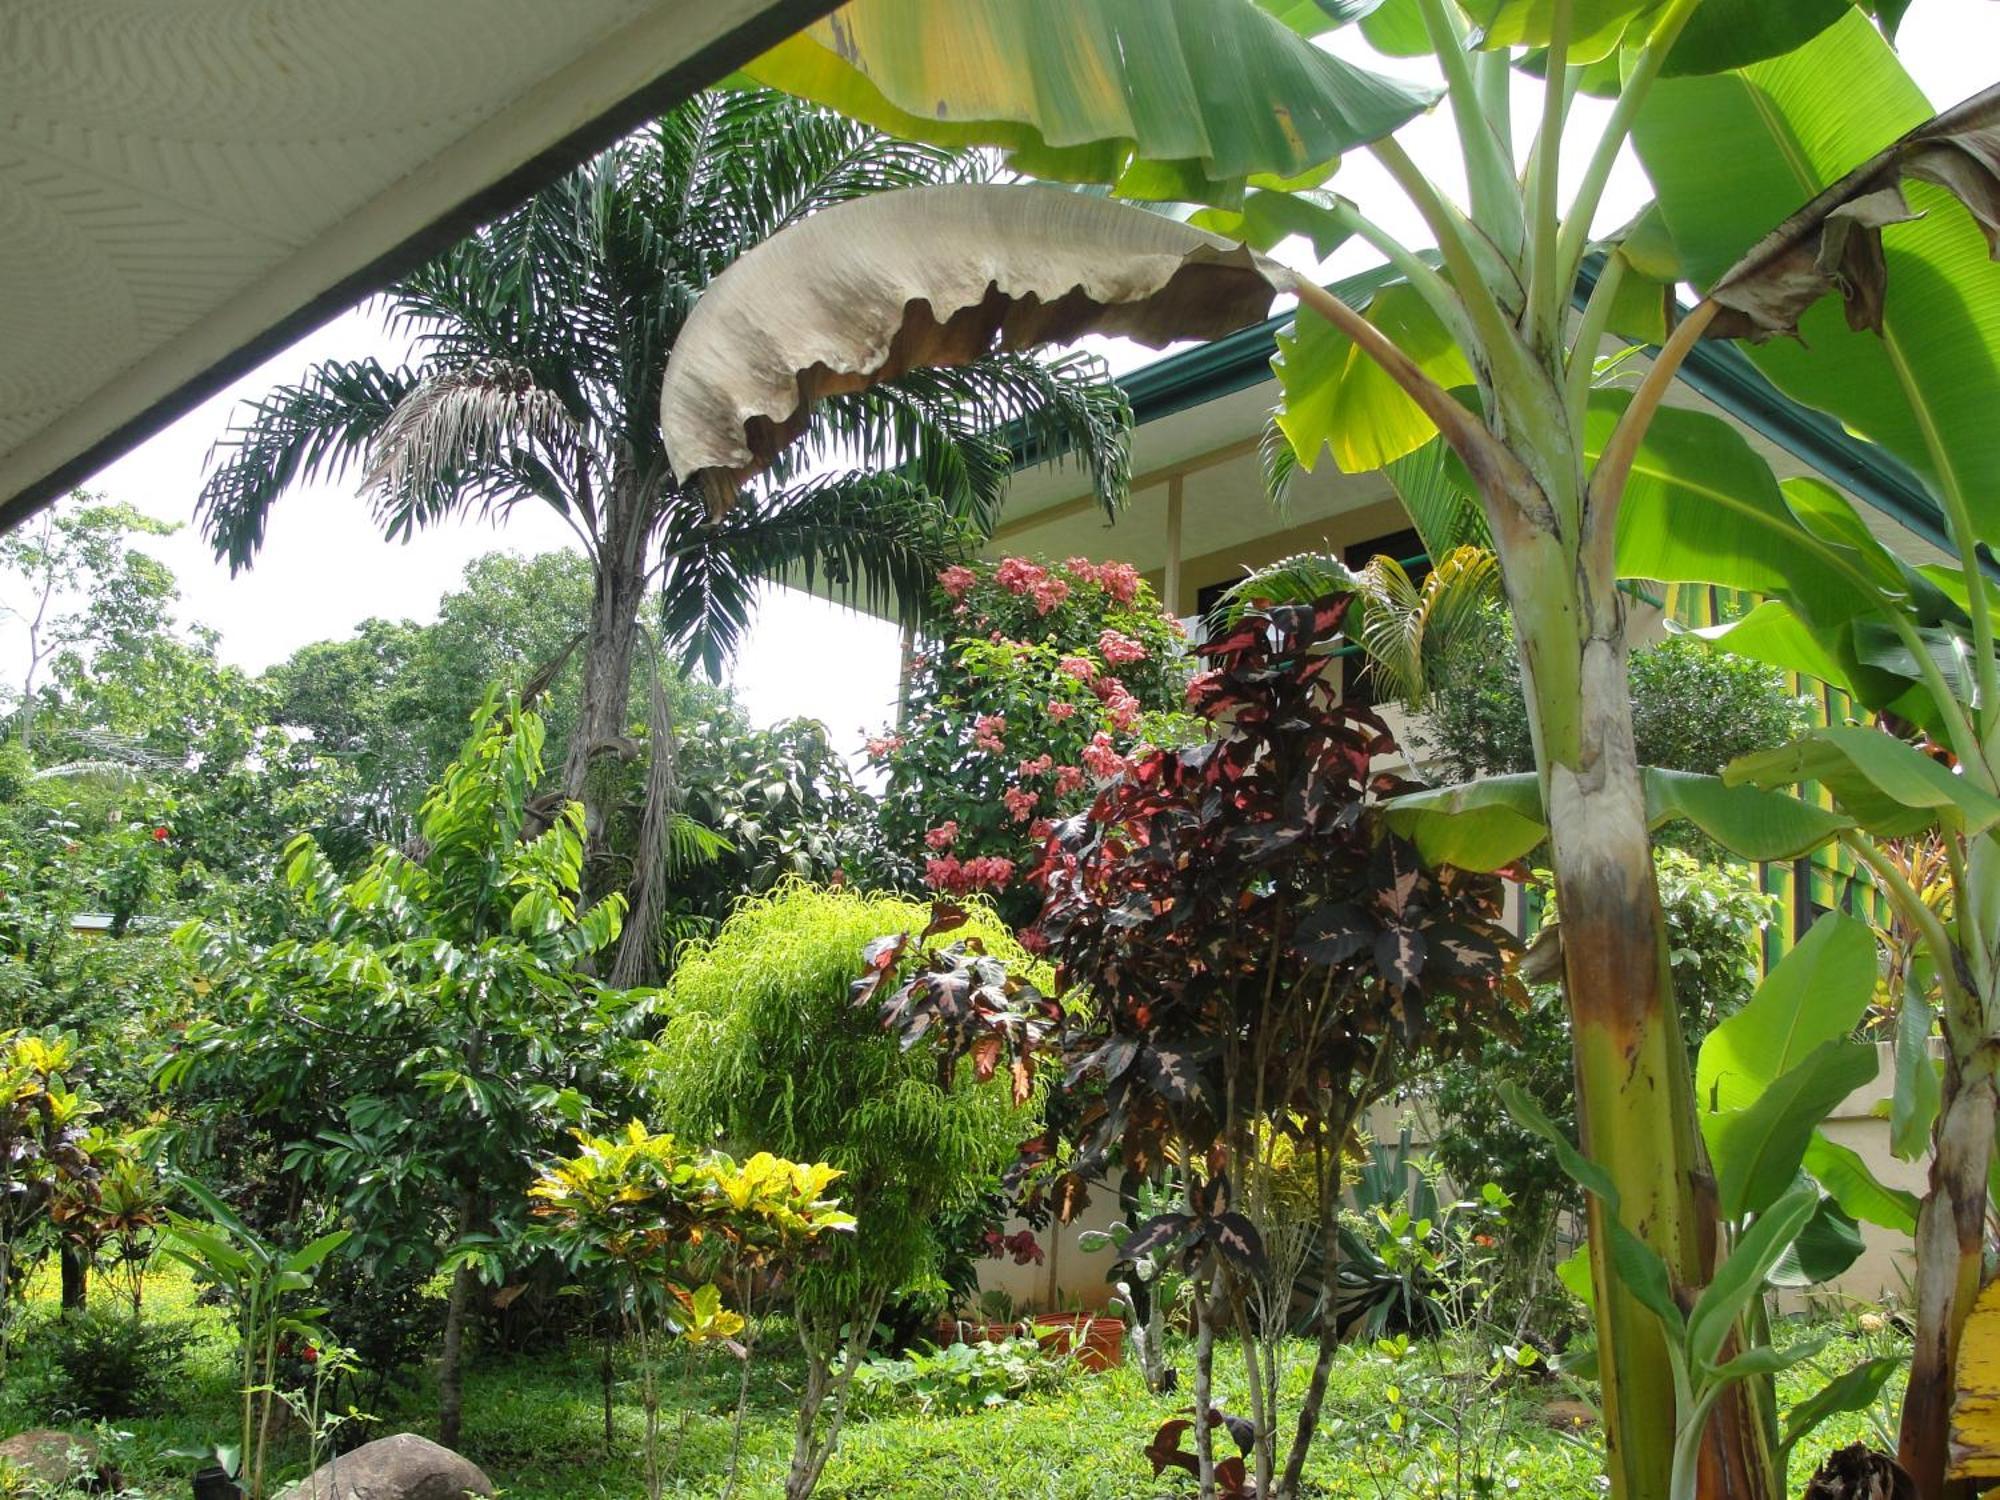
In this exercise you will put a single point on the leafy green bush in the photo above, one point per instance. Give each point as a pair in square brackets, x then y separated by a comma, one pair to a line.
[102, 1363]
[957, 1378]
[1693, 708]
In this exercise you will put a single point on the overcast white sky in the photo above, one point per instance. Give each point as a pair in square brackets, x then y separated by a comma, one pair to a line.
[325, 567]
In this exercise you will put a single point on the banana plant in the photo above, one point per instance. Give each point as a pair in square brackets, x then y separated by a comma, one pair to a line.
[1234, 106]
[264, 1284]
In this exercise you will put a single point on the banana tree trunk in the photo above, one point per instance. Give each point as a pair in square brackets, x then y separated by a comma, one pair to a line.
[1951, 1238]
[1635, 1097]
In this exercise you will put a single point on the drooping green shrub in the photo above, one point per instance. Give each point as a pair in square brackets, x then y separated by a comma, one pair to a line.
[765, 1049]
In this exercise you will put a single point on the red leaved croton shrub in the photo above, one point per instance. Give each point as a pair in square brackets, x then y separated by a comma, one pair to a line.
[1262, 957]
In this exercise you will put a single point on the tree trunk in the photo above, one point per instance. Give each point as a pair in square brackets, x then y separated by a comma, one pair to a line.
[1951, 1230]
[75, 1278]
[451, 1357]
[1635, 1097]
[604, 702]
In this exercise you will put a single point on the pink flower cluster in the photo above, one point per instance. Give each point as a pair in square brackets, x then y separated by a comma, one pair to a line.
[1082, 668]
[944, 835]
[1119, 648]
[957, 581]
[1039, 766]
[1019, 576]
[1119, 580]
[885, 746]
[986, 732]
[1069, 778]
[1103, 758]
[1020, 803]
[986, 872]
[1061, 709]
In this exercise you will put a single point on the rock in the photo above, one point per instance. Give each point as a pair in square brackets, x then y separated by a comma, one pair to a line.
[403, 1467]
[45, 1454]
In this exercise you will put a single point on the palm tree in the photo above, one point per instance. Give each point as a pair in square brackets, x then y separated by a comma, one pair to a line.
[541, 342]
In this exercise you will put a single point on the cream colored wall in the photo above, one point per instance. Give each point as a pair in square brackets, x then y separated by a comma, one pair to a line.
[1880, 1275]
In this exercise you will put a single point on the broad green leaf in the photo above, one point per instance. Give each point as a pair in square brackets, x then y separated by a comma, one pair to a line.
[1314, 17]
[1485, 824]
[1914, 1106]
[1642, 1273]
[1724, 34]
[1396, 29]
[1776, 635]
[1595, 26]
[1702, 506]
[1742, 1274]
[1765, 826]
[1573, 1271]
[1844, 1175]
[1584, 1172]
[1829, 1244]
[1765, 1359]
[1481, 825]
[1817, 993]
[1267, 218]
[1888, 786]
[1854, 1390]
[312, 1254]
[1757, 1150]
[1731, 155]
[1211, 91]
[1336, 397]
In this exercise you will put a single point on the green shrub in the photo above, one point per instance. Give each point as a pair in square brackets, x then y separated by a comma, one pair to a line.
[1693, 708]
[957, 1378]
[100, 1363]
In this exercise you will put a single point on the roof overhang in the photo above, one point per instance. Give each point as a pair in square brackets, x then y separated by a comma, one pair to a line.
[188, 185]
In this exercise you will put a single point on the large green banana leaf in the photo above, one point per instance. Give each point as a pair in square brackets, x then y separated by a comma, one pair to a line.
[1729, 153]
[1490, 823]
[1172, 99]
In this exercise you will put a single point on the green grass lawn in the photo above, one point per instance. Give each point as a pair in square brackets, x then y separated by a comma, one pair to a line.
[535, 1424]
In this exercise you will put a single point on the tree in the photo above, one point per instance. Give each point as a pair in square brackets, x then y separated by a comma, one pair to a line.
[764, 1047]
[77, 586]
[425, 1034]
[541, 342]
[1575, 477]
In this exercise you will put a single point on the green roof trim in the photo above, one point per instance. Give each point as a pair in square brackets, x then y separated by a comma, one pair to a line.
[1720, 372]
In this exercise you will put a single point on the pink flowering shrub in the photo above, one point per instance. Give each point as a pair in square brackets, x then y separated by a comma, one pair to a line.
[1047, 679]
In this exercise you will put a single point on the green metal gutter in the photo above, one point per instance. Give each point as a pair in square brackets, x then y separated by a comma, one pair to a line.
[1719, 371]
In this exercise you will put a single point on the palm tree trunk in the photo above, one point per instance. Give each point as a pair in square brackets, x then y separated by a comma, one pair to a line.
[604, 704]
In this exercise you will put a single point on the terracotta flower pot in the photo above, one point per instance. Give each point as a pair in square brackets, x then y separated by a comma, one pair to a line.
[1098, 1342]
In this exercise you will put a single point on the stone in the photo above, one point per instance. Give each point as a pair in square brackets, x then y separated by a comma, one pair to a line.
[403, 1467]
[45, 1454]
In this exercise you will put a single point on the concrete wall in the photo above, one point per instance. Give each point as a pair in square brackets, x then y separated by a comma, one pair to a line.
[1071, 1276]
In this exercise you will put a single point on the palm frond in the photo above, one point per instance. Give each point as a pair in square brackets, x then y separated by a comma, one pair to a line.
[962, 431]
[874, 541]
[1279, 461]
[1299, 579]
[1406, 627]
[455, 426]
[315, 429]
[1438, 494]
